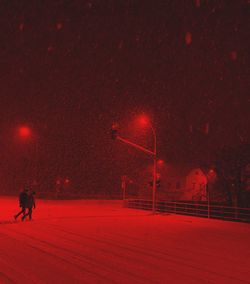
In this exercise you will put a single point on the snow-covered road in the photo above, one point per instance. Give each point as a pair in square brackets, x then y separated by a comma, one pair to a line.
[101, 242]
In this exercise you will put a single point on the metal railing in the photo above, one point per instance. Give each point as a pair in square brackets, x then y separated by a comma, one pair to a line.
[193, 209]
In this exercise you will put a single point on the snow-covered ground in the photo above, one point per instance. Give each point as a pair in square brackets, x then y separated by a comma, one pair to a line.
[101, 242]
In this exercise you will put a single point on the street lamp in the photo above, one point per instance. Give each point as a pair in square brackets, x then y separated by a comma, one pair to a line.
[25, 133]
[144, 121]
[210, 177]
[123, 186]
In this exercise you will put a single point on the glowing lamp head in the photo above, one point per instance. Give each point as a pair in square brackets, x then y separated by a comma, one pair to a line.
[211, 175]
[24, 132]
[143, 120]
[160, 163]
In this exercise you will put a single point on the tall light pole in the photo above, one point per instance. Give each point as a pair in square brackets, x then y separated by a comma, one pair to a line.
[26, 134]
[210, 177]
[154, 170]
[123, 186]
[143, 121]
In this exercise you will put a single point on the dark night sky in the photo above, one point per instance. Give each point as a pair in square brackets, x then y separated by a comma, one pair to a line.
[70, 68]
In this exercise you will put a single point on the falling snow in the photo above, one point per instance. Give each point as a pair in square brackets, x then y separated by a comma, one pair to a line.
[76, 66]
[188, 38]
[59, 26]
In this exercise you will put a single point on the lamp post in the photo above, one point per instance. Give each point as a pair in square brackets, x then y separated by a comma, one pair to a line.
[210, 177]
[26, 134]
[143, 121]
[208, 200]
[154, 169]
[123, 186]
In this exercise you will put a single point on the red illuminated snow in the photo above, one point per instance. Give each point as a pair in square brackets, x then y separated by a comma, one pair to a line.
[101, 242]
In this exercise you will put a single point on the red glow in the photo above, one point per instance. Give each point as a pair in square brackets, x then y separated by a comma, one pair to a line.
[160, 162]
[233, 55]
[211, 176]
[143, 120]
[188, 38]
[50, 48]
[21, 27]
[24, 131]
[115, 126]
[198, 3]
[59, 26]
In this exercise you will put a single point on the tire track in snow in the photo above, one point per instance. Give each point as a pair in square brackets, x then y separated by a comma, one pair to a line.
[121, 258]
[138, 251]
[224, 259]
[79, 258]
[15, 271]
[29, 239]
[163, 256]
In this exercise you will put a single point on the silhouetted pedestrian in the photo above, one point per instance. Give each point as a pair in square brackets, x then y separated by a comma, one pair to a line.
[30, 204]
[22, 202]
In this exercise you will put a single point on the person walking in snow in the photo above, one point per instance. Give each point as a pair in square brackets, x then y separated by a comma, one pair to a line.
[30, 205]
[22, 202]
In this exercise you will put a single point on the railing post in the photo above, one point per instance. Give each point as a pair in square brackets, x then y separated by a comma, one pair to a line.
[217, 211]
[208, 201]
[236, 213]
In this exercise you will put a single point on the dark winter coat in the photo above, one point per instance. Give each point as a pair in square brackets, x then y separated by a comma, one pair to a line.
[23, 199]
[30, 203]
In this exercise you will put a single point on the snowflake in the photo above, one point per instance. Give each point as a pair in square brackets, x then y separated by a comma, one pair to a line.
[59, 26]
[21, 27]
[188, 38]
